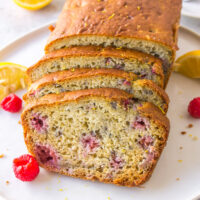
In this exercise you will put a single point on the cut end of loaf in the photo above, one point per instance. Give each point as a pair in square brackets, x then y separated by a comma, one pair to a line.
[144, 70]
[80, 79]
[96, 138]
[156, 49]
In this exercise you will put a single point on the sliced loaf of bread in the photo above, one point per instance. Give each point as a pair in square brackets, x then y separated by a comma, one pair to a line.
[99, 134]
[147, 26]
[79, 79]
[145, 66]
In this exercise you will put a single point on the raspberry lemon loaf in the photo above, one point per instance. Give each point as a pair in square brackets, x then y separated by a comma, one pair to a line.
[80, 79]
[98, 134]
[146, 26]
[145, 66]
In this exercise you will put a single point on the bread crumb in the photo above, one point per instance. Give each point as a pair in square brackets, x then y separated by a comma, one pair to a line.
[180, 92]
[190, 125]
[178, 179]
[19, 122]
[60, 190]
[1, 155]
[138, 7]
[65, 198]
[109, 198]
[183, 133]
[181, 116]
[72, 69]
[180, 147]
[7, 182]
[51, 28]
[59, 181]
[180, 161]
[195, 138]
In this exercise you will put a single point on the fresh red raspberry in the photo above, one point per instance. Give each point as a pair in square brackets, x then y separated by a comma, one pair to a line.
[25, 167]
[12, 103]
[194, 107]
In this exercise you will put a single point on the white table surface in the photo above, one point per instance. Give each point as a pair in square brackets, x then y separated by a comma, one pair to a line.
[16, 21]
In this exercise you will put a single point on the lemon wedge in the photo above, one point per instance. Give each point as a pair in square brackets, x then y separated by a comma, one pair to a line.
[32, 4]
[12, 78]
[189, 64]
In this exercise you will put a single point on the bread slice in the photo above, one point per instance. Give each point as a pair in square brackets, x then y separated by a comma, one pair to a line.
[143, 65]
[98, 134]
[147, 26]
[64, 81]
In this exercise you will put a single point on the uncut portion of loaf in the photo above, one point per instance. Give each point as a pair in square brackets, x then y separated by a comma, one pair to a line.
[147, 26]
[145, 66]
[98, 134]
[65, 81]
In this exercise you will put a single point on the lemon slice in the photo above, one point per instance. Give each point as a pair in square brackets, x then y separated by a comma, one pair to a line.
[32, 4]
[12, 78]
[189, 64]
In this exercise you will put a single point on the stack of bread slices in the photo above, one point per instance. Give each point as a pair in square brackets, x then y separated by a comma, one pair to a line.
[96, 106]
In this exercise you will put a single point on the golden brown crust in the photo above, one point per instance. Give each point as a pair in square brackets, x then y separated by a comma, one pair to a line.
[110, 93]
[148, 20]
[50, 99]
[167, 77]
[104, 52]
[147, 109]
[68, 75]
[154, 113]
[80, 73]
[119, 181]
[155, 87]
[93, 51]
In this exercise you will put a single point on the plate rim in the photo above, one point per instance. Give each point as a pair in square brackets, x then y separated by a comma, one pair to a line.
[26, 34]
[185, 13]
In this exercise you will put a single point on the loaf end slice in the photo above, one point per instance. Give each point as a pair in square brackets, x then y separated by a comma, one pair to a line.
[98, 134]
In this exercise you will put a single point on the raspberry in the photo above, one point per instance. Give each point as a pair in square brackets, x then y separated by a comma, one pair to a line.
[140, 123]
[39, 123]
[194, 107]
[12, 103]
[146, 141]
[90, 143]
[46, 155]
[25, 167]
[127, 83]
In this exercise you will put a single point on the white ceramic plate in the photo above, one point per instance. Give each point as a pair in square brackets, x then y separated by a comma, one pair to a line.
[191, 8]
[162, 185]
